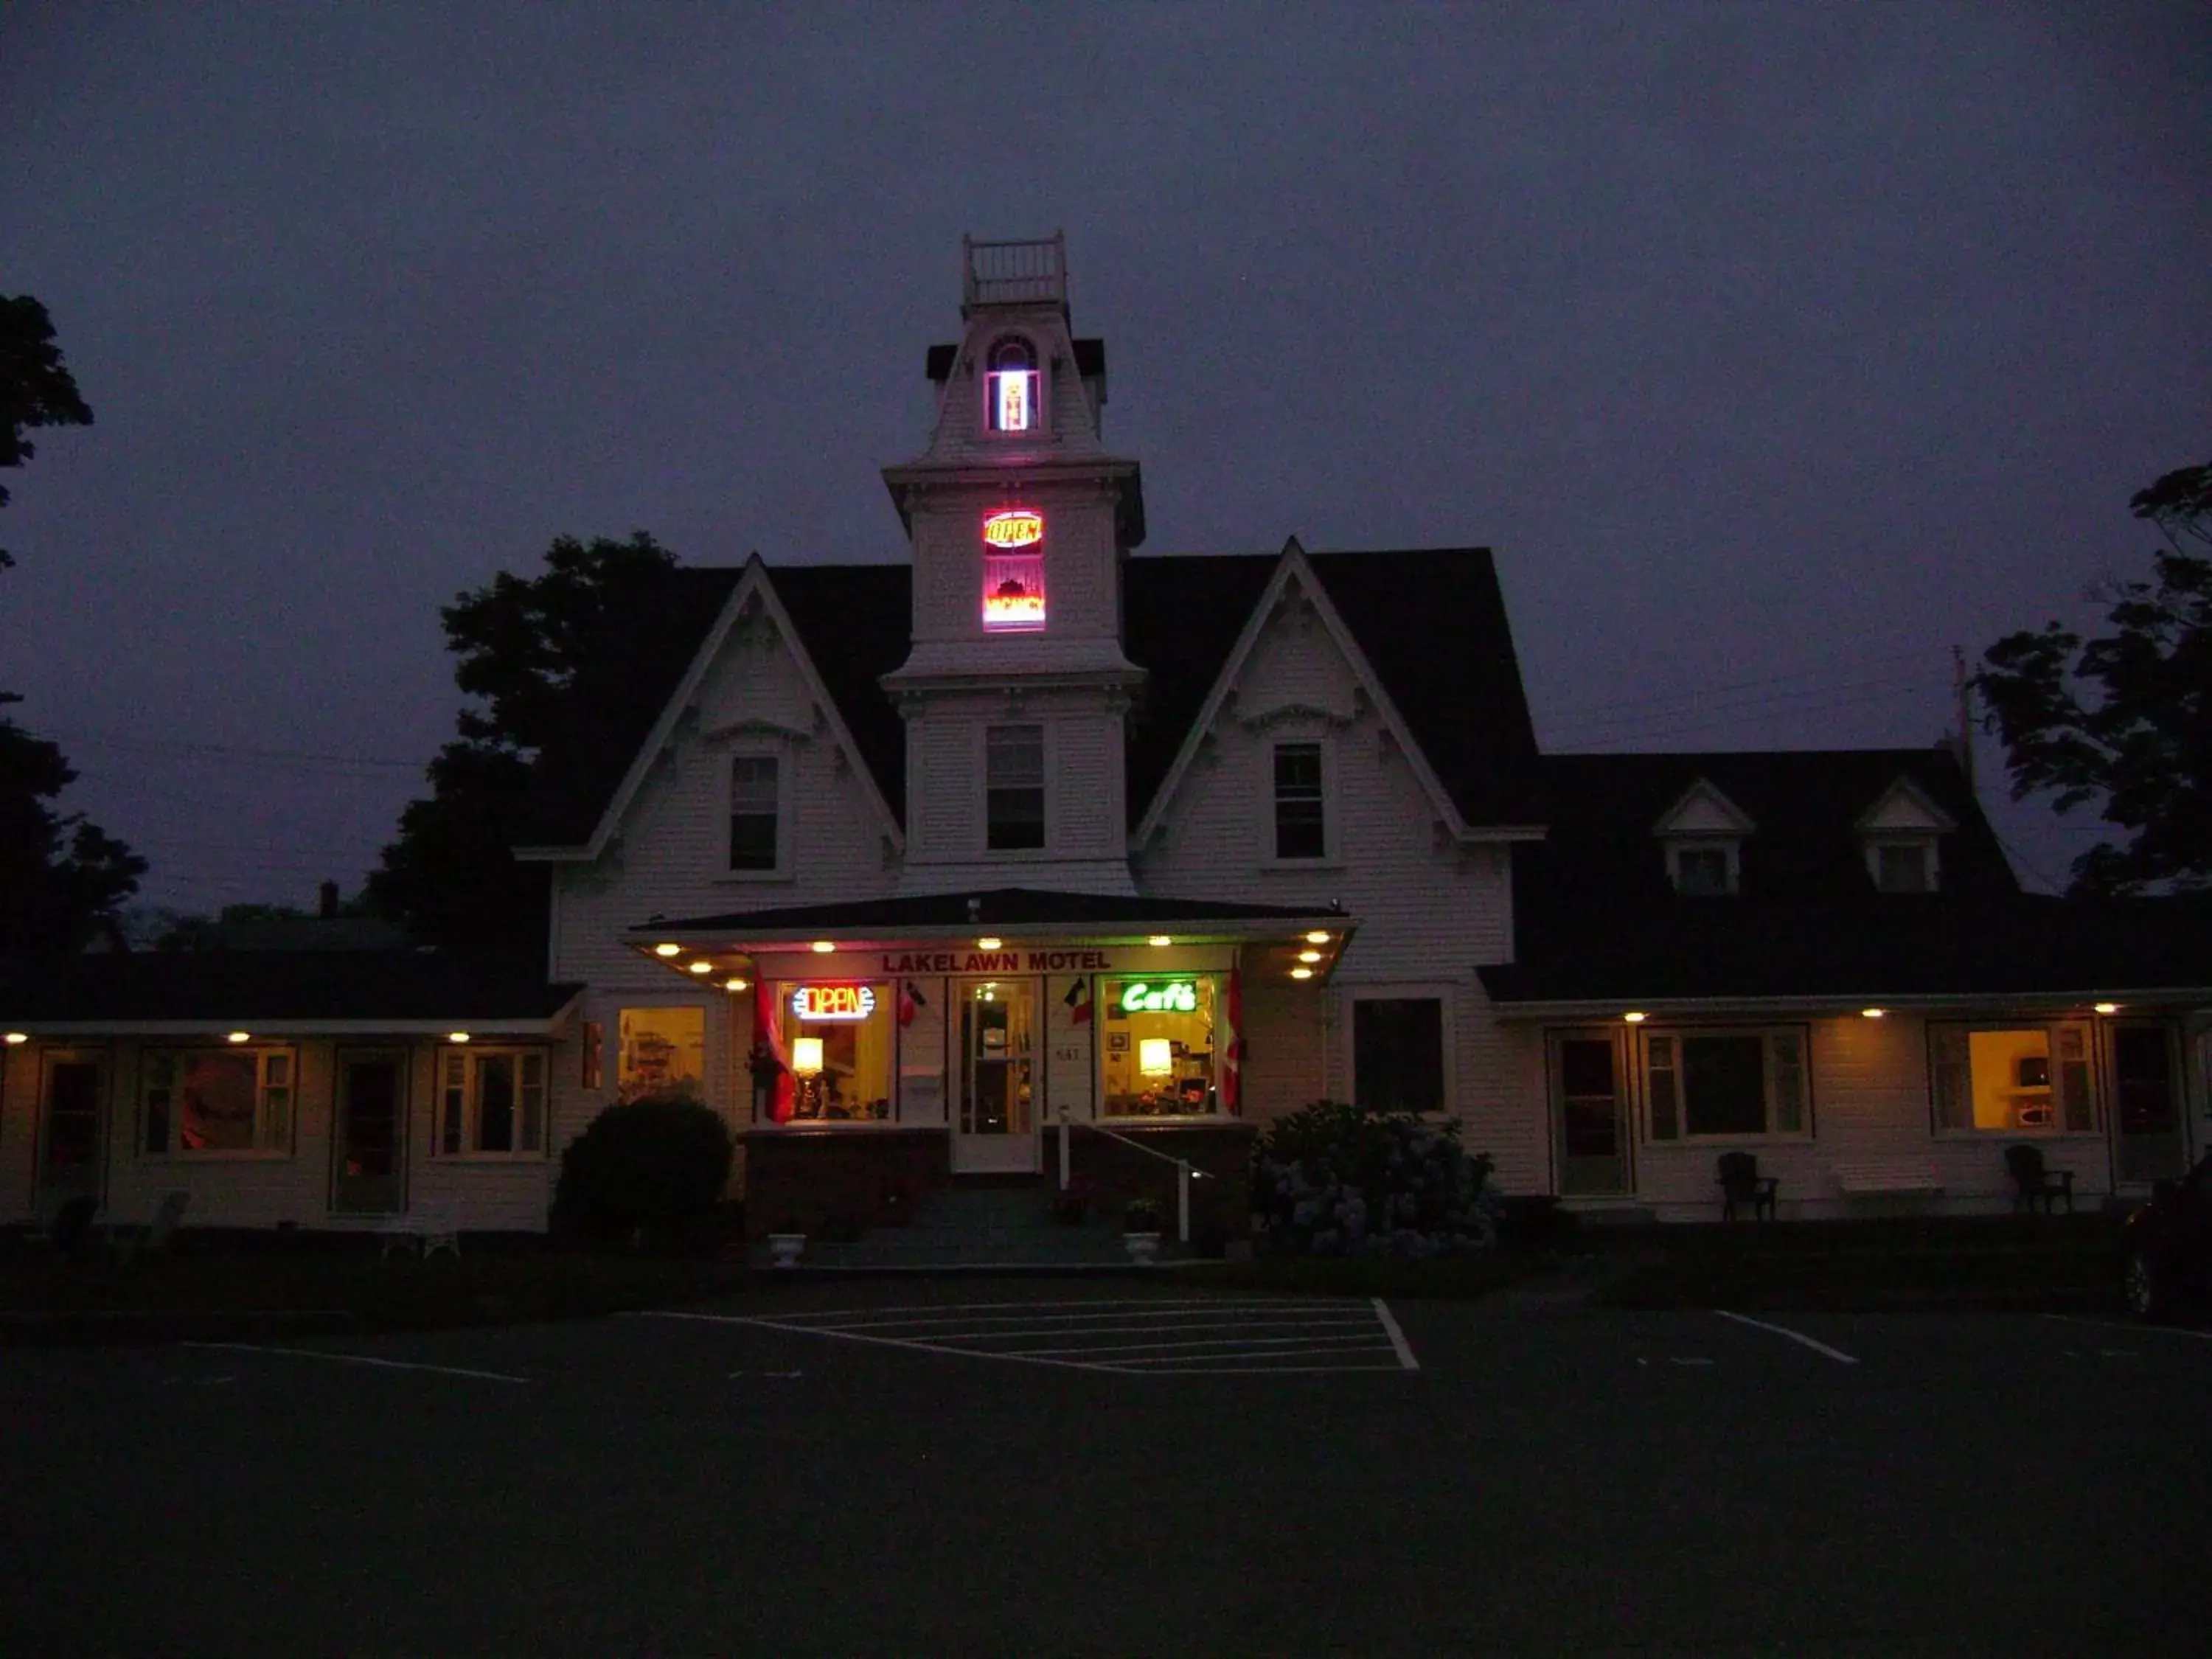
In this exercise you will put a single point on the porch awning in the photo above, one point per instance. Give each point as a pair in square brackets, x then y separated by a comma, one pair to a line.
[1015, 912]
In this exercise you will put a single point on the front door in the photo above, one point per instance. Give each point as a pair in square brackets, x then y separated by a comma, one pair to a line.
[1589, 1116]
[995, 1126]
[72, 1092]
[2146, 1094]
[369, 1148]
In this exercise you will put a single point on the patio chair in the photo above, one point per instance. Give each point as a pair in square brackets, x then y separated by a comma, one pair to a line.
[127, 1244]
[66, 1223]
[429, 1227]
[2033, 1183]
[1741, 1183]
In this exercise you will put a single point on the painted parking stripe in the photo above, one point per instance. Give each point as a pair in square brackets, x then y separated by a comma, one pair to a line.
[1085, 1304]
[2133, 1330]
[1836, 1354]
[360, 1359]
[1128, 1338]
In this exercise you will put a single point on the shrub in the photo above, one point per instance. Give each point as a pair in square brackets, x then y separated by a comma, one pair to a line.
[652, 1169]
[1338, 1179]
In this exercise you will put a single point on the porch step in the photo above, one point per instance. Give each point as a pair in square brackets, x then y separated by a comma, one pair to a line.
[988, 1222]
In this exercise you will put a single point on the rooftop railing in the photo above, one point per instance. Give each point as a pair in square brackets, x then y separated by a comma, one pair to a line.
[1033, 272]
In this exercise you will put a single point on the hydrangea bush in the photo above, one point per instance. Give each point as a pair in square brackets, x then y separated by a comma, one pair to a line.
[1338, 1179]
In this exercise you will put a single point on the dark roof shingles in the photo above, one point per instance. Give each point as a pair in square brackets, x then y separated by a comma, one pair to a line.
[287, 985]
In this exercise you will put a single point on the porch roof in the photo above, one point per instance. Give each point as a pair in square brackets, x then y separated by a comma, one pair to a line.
[289, 992]
[1889, 949]
[1009, 911]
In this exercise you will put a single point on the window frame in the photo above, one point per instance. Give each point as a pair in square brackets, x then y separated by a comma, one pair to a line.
[1043, 787]
[2054, 1029]
[1931, 873]
[261, 1151]
[1447, 1080]
[1332, 828]
[1771, 1070]
[472, 1056]
[1678, 852]
[780, 754]
[1105, 986]
[1039, 425]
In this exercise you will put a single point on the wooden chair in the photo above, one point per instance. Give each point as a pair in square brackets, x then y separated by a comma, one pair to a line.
[429, 1227]
[2033, 1183]
[1741, 1183]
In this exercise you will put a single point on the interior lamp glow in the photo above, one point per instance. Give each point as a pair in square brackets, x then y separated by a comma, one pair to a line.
[1155, 1056]
[806, 1056]
[668, 950]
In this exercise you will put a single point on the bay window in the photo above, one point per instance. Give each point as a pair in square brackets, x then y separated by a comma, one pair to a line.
[231, 1101]
[1726, 1084]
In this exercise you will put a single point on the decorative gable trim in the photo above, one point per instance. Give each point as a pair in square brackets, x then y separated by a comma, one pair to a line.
[754, 587]
[1220, 704]
[1704, 811]
[1906, 809]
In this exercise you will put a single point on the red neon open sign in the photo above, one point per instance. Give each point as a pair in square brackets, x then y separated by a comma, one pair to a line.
[833, 1001]
[1015, 527]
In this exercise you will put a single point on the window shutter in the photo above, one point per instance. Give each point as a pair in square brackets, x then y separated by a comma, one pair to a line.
[533, 1102]
[1946, 1069]
[2074, 1088]
[1665, 1089]
[456, 1100]
[1786, 1060]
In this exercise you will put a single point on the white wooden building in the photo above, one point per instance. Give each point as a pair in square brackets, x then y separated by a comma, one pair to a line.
[911, 868]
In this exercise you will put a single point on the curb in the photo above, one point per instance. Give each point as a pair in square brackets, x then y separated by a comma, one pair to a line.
[133, 1327]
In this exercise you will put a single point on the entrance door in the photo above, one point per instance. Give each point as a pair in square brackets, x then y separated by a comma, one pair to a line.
[1590, 1116]
[369, 1147]
[72, 1090]
[995, 1128]
[2146, 1092]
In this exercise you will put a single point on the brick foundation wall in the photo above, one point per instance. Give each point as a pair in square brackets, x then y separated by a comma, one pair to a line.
[819, 1183]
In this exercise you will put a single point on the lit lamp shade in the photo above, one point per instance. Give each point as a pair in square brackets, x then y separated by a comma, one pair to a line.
[1155, 1056]
[806, 1056]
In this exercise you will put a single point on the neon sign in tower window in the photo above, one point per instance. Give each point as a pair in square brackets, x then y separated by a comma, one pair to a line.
[1010, 387]
[1013, 570]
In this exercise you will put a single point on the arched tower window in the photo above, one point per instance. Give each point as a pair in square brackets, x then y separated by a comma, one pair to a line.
[1010, 386]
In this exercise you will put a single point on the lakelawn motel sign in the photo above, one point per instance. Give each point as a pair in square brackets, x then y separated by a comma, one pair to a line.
[1000, 962]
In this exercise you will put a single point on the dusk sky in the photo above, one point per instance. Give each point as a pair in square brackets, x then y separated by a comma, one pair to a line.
[1775, 349]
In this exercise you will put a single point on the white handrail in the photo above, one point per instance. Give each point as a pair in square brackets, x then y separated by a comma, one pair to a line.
[1184, 1173]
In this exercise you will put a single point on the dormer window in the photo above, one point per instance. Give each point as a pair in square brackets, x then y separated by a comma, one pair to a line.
[1902, 866]
[1702, 835]
[1704, 872]
[1011, 387]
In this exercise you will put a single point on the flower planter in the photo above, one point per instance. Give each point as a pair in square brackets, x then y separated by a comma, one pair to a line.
[1144, 1248]
[785, 1248]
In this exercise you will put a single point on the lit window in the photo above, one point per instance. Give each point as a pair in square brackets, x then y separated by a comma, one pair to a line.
[1013, 591]
[1159, 1055]
[754, 805]
[1301, 815]
[1704, 871]
[1013, 788]
[662, 1051]
[1732, 1084]
[838, 1040]
[492, 1103]
[217, 1101]
[1903, 867]
[2021, 1080]
[1011, 388]
[1398, 1053]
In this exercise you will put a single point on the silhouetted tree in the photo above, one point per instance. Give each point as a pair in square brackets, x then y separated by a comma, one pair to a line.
[2125, 719]
[36, 389]
[521, 641]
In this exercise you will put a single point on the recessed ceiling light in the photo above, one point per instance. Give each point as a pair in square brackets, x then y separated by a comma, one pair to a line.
[987, 943]
[240, 1036]
[16, 1037]
[735, 985]
[823, 947]
[1301, 973]
[1873, 1014]
[1159, 939]
[1634, 1016]
[1308, 956]
[668, 950]
[702, 967]
[457, 1036]
[1316, 936]
[2102, 1008]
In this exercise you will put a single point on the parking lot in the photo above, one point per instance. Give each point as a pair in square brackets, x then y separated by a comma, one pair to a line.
[1063, 1466]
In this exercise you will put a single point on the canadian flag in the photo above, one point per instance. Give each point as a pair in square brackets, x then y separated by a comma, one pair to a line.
[1232, 1055]
[1079, 1002]
[911, 1001]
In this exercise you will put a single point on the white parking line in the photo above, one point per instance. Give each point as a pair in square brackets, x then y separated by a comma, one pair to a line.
[1002, 1332]
[360, 1359]
[1160, 1303]
[1837, 1354]
[1368, 1338]
[2133, 1330]
[856, 1336]
[1405, 1353]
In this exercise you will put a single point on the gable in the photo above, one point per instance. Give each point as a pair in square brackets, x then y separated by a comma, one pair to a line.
[1704, 811]
[1906, 809]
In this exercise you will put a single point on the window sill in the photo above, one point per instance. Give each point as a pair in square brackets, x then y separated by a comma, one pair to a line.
[188, 1158]
[1971, 1137]
[1292, 867]
[1706, 1143]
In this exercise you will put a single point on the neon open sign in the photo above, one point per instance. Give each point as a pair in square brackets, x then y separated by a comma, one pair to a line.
[1177, 997]
[1016, 527]
[833, 1001]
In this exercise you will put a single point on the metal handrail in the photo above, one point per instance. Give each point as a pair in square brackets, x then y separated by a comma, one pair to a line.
[1185, 1174]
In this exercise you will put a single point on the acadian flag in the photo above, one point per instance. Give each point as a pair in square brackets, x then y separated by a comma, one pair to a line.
[1079, 1002]
[911, 1001]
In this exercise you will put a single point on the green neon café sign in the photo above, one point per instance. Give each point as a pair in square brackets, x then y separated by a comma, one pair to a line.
[1178, 996]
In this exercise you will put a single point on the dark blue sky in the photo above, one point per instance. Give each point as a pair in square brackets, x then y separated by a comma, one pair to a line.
[1775, 349]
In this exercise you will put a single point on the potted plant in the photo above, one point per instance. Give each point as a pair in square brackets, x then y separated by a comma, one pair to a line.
[1140, 1234]
[784, 1249]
